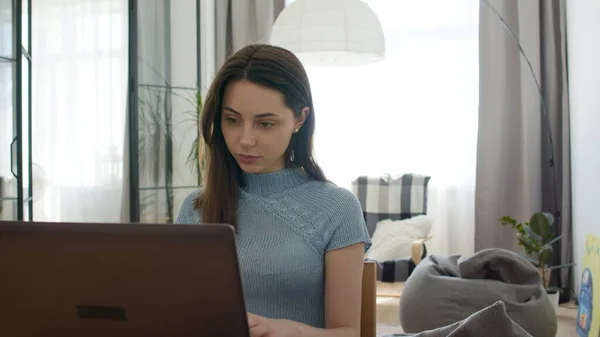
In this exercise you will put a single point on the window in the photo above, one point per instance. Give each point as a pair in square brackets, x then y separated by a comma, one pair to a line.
[79, 108]
[414, 112]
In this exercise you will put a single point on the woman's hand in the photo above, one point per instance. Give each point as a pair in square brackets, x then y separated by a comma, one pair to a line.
[268, 327]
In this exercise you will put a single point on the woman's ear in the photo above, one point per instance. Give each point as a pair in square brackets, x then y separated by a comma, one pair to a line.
[300, 120]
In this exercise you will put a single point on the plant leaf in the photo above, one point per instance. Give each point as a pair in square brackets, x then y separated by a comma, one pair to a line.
[545, 231]
[526, 244]
[539, 224]
[530, 233]
[561, 266]
[550, 218]
[554, 240]
[507, 221]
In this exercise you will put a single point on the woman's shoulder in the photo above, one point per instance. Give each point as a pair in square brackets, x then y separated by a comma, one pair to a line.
[192, 196]
[188, 213]
[342, 213]
[335, 195]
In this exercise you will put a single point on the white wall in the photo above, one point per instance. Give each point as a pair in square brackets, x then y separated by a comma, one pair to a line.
[583, 36]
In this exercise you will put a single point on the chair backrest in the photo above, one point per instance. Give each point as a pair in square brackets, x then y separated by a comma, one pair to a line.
[391, 197]
[368, 319]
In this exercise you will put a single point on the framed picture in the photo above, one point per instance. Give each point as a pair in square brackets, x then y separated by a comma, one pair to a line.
[588, 311]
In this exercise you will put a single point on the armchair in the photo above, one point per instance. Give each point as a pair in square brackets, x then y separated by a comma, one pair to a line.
[395, 198]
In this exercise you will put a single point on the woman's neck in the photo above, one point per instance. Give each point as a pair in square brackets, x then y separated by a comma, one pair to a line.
[273, 182]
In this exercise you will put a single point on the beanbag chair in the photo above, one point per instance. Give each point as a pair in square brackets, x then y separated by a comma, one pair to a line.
[491, 321]
[443, 290]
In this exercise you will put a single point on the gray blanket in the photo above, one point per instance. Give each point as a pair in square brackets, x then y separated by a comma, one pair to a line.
[491, 321]
[444, 290]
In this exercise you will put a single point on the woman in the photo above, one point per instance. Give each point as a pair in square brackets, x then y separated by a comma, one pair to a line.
[300, 239]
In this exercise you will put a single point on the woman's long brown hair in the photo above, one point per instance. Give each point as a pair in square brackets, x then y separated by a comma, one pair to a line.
[271, 67]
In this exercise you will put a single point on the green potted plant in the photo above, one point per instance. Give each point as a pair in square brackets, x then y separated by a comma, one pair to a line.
[536, 239]
[157, 146]
[165, 111]
[196, 155]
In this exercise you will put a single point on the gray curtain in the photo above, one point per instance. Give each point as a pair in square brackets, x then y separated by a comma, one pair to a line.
[242, 22]
[513, 152]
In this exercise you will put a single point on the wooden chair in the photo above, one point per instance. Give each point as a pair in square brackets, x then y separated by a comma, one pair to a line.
[368, 317]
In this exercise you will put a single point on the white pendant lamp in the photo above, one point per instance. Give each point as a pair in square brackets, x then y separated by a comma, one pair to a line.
[330, 32]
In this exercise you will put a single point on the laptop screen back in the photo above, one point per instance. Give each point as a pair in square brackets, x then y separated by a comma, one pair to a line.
[62, 279]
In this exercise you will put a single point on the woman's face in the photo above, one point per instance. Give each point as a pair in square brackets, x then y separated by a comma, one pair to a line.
[257, 126]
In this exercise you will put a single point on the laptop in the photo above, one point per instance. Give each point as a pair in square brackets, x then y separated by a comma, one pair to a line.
[119, 280]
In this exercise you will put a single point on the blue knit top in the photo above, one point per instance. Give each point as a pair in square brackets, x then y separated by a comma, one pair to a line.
[286, 224]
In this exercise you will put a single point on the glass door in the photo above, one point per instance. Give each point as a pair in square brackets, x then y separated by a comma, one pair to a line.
[8, 133]
[25, 210]
[15, 110]
[164, 107]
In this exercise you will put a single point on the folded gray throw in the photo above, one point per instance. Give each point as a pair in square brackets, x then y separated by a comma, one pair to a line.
[491, 321]
[445, 290]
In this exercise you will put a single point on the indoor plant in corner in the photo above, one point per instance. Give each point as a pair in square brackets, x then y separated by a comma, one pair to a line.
[536, 239]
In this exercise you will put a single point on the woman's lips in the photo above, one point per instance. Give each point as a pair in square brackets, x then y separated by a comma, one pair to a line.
[247, 159]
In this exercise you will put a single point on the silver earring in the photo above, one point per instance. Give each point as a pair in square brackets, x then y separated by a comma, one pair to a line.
[296, 131]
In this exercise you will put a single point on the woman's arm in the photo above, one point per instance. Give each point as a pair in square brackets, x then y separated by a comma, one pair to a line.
[187, 213]
[343, 289]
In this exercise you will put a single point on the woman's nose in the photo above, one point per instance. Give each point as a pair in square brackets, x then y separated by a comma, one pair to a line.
[248, 137]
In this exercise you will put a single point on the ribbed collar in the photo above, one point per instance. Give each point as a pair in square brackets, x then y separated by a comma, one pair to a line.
[263, 184]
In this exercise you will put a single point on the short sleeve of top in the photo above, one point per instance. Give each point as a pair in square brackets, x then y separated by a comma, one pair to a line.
[187, 213]
[347, 224]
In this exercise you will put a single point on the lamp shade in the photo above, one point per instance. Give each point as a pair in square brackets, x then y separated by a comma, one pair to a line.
[330, 32]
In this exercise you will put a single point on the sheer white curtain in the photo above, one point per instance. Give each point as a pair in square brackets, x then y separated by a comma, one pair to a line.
[415, 112]
[79, 72]
[6, 111]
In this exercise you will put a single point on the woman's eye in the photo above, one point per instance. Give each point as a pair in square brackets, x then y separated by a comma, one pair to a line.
[266, 124]
[230, 120]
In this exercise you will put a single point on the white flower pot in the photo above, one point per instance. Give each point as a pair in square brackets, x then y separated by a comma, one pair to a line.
[553, 296]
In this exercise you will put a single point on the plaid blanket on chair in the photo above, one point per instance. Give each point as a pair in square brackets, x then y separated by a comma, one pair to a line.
[395, 198]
